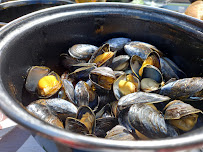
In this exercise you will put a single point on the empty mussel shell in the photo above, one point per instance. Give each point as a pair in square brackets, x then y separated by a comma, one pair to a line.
[82, 51]
[183, 89]
[140, 97]
[147, 121]
[120, 63]
[34, 75]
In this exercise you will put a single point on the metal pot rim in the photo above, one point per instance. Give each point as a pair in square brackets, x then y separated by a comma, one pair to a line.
[14, 111]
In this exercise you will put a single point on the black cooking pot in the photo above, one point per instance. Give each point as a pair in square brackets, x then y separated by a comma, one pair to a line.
[39, 38]
[14, 9]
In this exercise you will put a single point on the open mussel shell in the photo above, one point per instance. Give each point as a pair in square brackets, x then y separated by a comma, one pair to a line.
[62, 108]
[47, 91]
[82, 51]
[44, 113]
[140, 97]
[181, 115]
[105, 124]
[103, 56]
[87, 117]
[117, 44]
[147, 121]
[120, 63]
[151, 78]
[184, 89]
[140, 49]
[123, 86]
[34, 75]
[119, 133]
[102, 77]
[177, 109]
[74, 125]
[152, 59]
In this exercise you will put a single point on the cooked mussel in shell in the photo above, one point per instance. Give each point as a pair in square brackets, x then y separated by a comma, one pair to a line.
[125, 84]
[181, 115]
[34, 75]
[103, 56]
[103, 77]
[43, 82]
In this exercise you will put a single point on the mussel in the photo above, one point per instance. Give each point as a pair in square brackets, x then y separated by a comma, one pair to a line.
[82, 51]
[44, 113]
[148, 121]
[181, 115]
[184, 89]
[84, 123]
[119, 133]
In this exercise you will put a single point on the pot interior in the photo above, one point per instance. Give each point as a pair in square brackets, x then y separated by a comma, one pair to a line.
[44, 36]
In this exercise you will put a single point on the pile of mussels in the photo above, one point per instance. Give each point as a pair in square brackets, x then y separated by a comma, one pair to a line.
[123, 90]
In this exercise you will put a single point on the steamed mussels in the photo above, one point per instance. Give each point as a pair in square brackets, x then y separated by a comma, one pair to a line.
[121, 90]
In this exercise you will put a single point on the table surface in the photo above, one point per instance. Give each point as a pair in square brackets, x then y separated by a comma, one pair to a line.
[14, 138]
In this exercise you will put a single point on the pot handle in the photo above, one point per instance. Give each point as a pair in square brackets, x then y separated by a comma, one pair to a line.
[2, 24]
